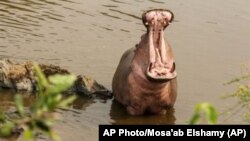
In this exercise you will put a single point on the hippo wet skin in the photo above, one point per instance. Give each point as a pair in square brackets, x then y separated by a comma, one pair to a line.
[145, 79]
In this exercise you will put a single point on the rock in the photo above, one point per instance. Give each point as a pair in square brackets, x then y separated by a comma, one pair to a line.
[15, 76]
[21, 77]
[87, 85]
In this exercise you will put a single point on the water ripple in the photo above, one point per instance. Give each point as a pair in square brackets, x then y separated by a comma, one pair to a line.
[17, 6]
[48, 16]
[9, 20]
[106, 28]
[106, 14]
[6, 11]
[49, 2]
[15, 26]
[127, 14]
[155, 1]
[29, 20]
[109, 6]
[117, 1]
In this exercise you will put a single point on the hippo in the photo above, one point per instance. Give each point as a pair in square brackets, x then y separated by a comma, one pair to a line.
[145, 79]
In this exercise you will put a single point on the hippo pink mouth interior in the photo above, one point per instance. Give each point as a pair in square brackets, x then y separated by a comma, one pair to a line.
[161, 65]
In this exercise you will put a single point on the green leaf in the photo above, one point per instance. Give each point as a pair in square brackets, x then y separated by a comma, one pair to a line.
[53, 101]
[54, 136]
[19, 105]
[57, 98]
[43, 125]
[195, 119]
[42, 81]
[28, 134]
[60, 83]
[67, 101]
[6, 129]
[2, 117]
[210, 113]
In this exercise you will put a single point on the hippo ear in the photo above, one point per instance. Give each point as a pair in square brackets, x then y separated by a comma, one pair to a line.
[144, 20]
[170, 15]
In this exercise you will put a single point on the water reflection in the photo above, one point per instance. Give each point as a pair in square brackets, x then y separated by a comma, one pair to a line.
[82, 102]
[119, 115]
[7, 98]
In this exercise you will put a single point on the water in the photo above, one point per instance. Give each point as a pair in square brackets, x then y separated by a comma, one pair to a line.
[210, 40]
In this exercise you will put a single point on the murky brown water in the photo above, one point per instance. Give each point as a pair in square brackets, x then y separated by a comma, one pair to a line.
[210, 39]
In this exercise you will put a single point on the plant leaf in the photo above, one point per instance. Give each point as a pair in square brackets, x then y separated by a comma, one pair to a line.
[67, 101]
[210, 113]
[28, 134]
[54, 136]
[19, 105]
[60, 83]
[195, 119]
[42, 81]
[6, 129]
[2, 117]
[42, 125]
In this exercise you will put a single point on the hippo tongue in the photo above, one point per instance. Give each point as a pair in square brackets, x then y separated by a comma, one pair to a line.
[161, 63]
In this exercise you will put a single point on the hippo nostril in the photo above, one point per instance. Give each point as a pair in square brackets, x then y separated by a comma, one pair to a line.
[173, 68]
[150, 66]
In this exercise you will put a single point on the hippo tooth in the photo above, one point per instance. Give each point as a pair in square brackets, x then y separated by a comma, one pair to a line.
[151, 48]
[163, 47]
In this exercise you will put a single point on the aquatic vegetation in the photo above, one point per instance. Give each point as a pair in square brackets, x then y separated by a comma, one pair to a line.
[204, 112]
[242, 93]
[42, 113]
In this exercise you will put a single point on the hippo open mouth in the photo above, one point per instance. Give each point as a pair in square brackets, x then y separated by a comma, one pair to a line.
[161, 64]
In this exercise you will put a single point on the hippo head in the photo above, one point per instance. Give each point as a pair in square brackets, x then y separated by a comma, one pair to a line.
[161, 63]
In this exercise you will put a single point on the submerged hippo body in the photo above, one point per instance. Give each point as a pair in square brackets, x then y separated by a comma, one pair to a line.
[145, 79]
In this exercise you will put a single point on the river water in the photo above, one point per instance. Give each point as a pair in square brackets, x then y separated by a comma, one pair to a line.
[210, 40]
